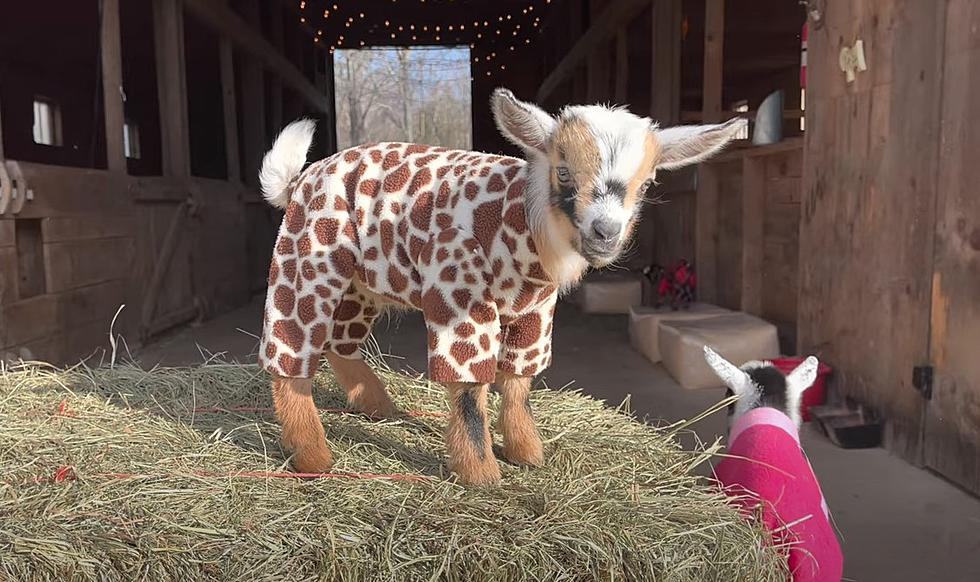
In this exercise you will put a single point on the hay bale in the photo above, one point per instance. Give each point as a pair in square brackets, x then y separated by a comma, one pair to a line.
[165, 487]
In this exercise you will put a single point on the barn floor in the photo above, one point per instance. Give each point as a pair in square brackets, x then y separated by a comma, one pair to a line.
[898, 523]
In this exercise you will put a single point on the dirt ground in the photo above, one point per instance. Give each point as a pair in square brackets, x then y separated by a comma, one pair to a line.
[897, 522]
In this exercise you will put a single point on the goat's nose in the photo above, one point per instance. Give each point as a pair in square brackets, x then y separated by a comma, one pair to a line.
[606, 230]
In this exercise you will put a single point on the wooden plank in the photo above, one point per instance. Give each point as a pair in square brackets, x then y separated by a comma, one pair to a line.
[72, 264]
[8, 275]
[253, 105]
[87, 227]
[952, 439]
[6, 232]
[783, 191]
[665, 77]
[112, 85]
[753, 233]
[622, 68]
[706, 237]
[168, 28]
[785, 165]
[714, 42]
[62, 190]
[30, 258]
[161, 265]
[597, 64]
[56, 313]
[868, 209]
[230, 108]
[612, 19]
[674, 228]
[728, 261]
[275, 82]
[246, 36]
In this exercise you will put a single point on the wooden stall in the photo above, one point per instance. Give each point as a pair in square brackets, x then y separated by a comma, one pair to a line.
[890, 232]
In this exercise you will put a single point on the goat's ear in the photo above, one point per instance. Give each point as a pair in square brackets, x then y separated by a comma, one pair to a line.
[524, 124]
[730, 374]
[802, 377]
[689, 144]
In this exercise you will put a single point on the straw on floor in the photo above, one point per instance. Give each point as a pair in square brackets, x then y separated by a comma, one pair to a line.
[176, 474]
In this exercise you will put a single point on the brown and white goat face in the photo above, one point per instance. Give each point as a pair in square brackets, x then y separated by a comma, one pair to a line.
[595, 164]
[760, 384]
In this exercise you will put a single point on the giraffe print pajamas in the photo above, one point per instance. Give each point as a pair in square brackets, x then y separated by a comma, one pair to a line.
[441, 231]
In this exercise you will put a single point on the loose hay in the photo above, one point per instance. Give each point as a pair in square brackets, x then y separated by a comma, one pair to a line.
[155, 483]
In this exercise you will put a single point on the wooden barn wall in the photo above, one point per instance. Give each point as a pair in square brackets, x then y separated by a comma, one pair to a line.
[952, 423]
[191, 243]
[64, 72]
[889, 238]
[100, 236]
[749, 252]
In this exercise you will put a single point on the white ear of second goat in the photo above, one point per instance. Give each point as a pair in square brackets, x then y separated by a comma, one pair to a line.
[749, 394]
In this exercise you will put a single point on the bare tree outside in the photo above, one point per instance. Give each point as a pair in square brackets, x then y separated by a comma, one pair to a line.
[419, 94]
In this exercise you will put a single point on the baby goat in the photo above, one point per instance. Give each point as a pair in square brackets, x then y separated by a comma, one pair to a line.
[767, 467]
[480, 243]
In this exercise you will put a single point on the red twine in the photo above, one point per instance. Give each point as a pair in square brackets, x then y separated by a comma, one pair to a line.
[253, 410]
[67, 473]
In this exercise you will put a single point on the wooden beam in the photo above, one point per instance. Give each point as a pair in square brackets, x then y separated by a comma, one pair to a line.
[253, 104]
[112, 86]
[688, 116]
[714, 42]
[168, 29]
[665, 75]
[275, 83]
[249, 40]
[233, 161]
[753, 232]
[706, 235]
[160, 267]
[615, 16]
[622, 68]
[597, 66]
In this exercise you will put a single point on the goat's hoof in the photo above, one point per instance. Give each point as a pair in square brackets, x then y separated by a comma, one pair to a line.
[313, 460]
[375, 405]
[478, 475]
[528, 454]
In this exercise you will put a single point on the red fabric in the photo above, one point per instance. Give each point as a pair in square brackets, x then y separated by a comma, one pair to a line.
[773, 470]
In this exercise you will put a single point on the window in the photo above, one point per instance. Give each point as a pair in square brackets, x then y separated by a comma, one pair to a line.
[742, 107]
[131, 140]
[802, 109]
[47, 122]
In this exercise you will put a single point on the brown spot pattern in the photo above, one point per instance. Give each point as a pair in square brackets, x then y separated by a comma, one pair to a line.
[396, 180]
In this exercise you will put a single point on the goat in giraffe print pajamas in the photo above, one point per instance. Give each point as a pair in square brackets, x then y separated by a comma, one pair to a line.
[481, 244]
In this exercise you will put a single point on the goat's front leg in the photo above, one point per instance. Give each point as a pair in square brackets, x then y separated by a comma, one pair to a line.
[522, 443]
[468, 436]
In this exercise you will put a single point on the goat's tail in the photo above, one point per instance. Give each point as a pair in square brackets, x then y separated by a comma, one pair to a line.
[285, 160]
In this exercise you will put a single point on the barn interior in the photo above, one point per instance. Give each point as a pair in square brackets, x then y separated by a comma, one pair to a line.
[856, 233]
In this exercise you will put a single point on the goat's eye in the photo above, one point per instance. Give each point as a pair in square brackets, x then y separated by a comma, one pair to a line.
[564, 175]
[646, 185]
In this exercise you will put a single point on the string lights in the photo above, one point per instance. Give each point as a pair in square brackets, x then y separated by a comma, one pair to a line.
[502, 33]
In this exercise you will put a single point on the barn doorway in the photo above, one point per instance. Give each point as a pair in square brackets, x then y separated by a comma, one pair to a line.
[419, 95]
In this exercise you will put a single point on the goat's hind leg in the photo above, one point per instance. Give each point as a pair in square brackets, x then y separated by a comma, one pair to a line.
[365, 391]
[302, 430]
